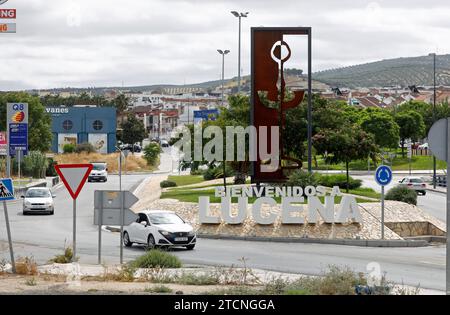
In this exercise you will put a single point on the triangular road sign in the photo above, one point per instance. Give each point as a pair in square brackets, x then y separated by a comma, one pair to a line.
[74, 176]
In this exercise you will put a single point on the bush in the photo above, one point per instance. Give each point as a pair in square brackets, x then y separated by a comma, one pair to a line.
[339, 180]
[216, 172]
[26, 266]
[65, 258]
[302, 179]
[198, 172]
[50, 171]
[151, 153]
[35, 164]
[69, 148]
[156, 259]
[403, 194]
[167, 183]
[84, 147]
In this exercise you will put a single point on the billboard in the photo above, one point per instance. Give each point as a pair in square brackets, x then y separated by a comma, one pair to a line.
[66, 138]
[17, 127]
[205, 114]
[3, 143]
[99, 141]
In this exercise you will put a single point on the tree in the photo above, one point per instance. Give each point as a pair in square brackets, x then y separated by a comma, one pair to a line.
[382, 126]
[133, 130]
[411, 127]
[345, 145]
[121, 103]
[39, 122]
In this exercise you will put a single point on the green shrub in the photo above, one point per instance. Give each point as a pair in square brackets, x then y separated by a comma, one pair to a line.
[302, 179]
[167, 183]
[339, 180]
[401, 193]
[151, 153]
[84, 147]
[156, 259]
[65, 258]
[69, 148]
[216, 172]
[198, 172]
[159, 289]
[50, 171]
[34, 164]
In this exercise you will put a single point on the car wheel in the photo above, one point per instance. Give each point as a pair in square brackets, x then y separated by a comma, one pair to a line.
[52, 212]
[190, 247]
[25, 212]
[151, 242]
[126, 240]
[424, 193]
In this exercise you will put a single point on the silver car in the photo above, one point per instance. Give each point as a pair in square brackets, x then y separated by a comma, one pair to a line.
[38, 200]
[414, 183]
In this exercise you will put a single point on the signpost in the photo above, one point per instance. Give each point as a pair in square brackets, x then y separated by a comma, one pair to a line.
[74, 177]
[409, 146]
[439, 142]
[111, 207]
[383, 176]
[7, 193]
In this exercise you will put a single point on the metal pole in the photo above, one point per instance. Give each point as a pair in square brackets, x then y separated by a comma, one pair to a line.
[309, 104]
[382, 212]
[447, 260]
[8, 231]
[239, 57]
[434, 114]
[74, 230]
[121, 208]
[100, 221]
[223, 75]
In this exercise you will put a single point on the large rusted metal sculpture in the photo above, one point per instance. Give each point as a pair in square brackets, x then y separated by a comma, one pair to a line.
[271, 98]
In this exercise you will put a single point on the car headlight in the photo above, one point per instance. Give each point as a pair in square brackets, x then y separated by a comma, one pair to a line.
[165, 233]
[27, 204]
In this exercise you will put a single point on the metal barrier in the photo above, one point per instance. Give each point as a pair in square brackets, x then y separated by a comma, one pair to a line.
[441, 180]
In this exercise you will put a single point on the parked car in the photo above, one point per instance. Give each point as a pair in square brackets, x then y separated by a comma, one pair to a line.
[423, 146]
[156, 228]
[38, 200]
[164, 143]
[99, 172]
[415, 183]
[137, 148]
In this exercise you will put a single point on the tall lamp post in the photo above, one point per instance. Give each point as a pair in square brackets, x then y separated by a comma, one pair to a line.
[239, 16]
[434, 112]
[223, 53]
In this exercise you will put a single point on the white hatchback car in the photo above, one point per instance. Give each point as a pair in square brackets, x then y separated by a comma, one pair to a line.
[414, 183]
[159, 228]
[38, 199]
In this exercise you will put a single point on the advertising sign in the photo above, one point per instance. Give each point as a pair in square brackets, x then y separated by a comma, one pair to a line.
[3, 143]
[7, 13]
[7, 27]
[66, 138]
[206, 114]
[99, 141]
[17, 127]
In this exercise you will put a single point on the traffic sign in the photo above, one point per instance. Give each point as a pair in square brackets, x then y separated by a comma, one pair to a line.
[6, 189]
[74, 176]
[383, 175]
[110, 199]
[112, 217]
[437, 139]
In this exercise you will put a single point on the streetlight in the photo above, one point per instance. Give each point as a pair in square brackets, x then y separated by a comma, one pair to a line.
[434, 112]
[223, 53]
[239, 15]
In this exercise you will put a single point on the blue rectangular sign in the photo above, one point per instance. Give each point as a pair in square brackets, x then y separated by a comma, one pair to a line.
[6, 189]
[18, 138]
[205, 115]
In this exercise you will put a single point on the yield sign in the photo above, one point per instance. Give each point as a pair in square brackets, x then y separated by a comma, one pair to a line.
[74, 176]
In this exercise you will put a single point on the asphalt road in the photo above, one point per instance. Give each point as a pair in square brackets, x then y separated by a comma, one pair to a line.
[434, 203]
[44, 236]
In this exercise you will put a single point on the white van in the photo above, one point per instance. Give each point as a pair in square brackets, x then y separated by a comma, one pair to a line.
[99, 172]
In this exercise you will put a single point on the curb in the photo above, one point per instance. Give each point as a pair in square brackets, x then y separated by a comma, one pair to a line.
[349, 242]
[437, 191]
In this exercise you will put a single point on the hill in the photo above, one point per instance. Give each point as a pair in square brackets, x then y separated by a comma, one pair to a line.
[391, 72]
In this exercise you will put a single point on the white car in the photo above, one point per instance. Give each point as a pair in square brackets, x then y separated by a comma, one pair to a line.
[156, 228]
[414, 183]
[38, 200]
[99, 172]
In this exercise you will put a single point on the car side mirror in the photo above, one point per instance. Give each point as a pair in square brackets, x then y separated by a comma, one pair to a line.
[53, 196]
[144, 223]
[22, 196]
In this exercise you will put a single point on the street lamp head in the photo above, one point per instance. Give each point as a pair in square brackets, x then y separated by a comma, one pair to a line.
[220, 51]
[226, 52]
[235, 13]
[244, 14]
[432, 54]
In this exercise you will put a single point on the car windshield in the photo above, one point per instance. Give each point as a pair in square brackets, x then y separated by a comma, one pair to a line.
[98, 167]
[38, 193]
[165, 218]
[416, 180]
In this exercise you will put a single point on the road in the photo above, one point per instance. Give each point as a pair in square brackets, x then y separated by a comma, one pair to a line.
[44, 236]
[434, 203]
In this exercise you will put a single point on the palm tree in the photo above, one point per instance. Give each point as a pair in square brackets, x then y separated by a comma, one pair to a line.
[121, 103]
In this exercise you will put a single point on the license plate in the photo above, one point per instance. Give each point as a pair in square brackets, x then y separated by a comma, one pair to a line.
[181, 239]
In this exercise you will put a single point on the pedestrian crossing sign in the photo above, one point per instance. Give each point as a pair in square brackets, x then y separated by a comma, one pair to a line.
[6, 189]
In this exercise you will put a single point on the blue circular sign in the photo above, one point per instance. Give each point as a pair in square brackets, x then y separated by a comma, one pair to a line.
[383, 175]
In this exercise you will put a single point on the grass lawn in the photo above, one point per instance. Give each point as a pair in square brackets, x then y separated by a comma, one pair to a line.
[364, 192]
[398, 164]
[182, 180]
[192, 195]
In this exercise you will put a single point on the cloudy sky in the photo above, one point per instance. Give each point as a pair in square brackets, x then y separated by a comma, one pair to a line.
[82, 43]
